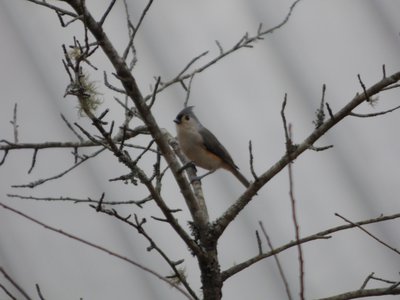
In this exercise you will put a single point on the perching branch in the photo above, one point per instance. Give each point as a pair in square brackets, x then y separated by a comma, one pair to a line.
[132, 90]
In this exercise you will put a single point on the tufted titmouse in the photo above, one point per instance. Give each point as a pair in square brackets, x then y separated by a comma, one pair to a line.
[202, 147]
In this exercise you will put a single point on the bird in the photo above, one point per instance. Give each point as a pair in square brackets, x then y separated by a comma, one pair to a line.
[202, 147]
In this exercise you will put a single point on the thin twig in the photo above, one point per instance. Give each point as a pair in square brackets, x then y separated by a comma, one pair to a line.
[259, 243]
[93, 245]
[278, 264]
[11, 280]
[328, 107]
[363, 88]
[252, 161]
[135, 29]
[153, 98]
[288, 140]
[383, 280]
[4, 157]
[39, 292]
[391, 290]
[55, 8]
[110, 86]
[190, 63]
[15, 124]
[320, 113]
[80, 138]
[325, 234]
[77, 200]
[109, 8]
[295, 221]
[317, 149]
[138, 225]
[8, 293]
[244, 42]
[370, 234]
[221, 223]
[374, 114]
[366, 281]
[41, 181]
[188, 90]
[33, 160]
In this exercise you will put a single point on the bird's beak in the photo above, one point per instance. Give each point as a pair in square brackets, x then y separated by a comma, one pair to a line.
[177, 121]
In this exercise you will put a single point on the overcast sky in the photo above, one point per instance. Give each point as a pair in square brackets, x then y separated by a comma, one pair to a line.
[239, 99]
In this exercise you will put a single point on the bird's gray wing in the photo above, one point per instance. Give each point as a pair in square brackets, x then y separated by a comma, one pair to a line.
[213, 145]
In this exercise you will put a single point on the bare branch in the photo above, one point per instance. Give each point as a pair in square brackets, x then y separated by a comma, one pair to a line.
[365, 293]
[317, 149]
[320, 113]
[128, 81]
[135, 29]
[138, 225]
[294, 215]
[252, 161]
[109, 8]
[370, 234]
[364, 88]
[12, 281]
[80, 138]
[326, 234]
[4, 156]
[110, 86]
[244, 42]
[55, 8]
[366, 281]
[41, 181]
[278, 264]
[130, 133]
[95, 246]
[259, 243]
[8, 293]
[33, 160]
[39, 292]
[329, 110]
[188, 90]
[374, 114]
[222, 222]
[15, 124]
[77, 200]
[384, 71]
[153, 98]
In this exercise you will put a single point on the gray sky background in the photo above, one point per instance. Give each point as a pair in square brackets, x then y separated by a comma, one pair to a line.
[239, 99]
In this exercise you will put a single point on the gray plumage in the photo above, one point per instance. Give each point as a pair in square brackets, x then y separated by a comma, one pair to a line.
[202, 147]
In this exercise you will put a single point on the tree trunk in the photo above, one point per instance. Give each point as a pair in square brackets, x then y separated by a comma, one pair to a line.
[211, 278]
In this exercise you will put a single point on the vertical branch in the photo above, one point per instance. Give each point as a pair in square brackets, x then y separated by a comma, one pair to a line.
[39, 292]
[278, 264]
[295, 222]
[15, 124]
[290, 148]
[252, 161]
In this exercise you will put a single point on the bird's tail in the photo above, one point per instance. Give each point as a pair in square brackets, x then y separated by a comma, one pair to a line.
[240, 176]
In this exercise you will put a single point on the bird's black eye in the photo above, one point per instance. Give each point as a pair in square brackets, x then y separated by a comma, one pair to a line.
[187, 118]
